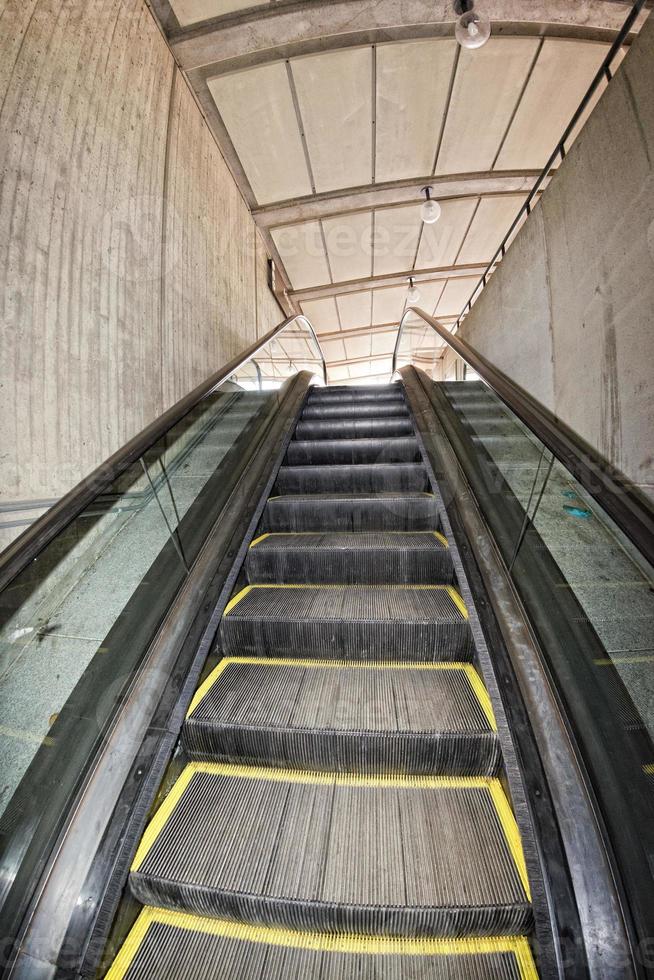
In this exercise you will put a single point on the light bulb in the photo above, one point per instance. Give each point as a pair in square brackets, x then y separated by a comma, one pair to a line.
[413, 294]
[472, 29]
[430, 211]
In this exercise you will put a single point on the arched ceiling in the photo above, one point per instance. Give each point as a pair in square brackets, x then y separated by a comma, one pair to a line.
[333, 114]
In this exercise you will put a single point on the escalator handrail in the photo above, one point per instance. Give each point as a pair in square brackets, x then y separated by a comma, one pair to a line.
[38, 535]
[615, 493]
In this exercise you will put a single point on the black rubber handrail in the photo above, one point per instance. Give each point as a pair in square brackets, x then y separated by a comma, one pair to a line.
[615, 493]
[32, 541]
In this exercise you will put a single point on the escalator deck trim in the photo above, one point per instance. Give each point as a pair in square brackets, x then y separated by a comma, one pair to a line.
[517, 946]
[475, 681]
[492, 785]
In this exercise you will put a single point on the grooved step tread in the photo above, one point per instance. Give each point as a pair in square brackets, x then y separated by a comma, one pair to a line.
[362, 394]
[164, 945]
[362, 478]
[401, 449]
[372, 511]
[344, 717]
[410, 856]
[349, 428]
[350, 408]
[362, 622]
[370, 557]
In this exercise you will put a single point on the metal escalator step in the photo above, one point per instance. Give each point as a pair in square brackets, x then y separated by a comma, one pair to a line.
[411, 623]
[347, 409]
[326, 715]
[397, 450]
[166, 945]
[373, 428]
[351, 512]
[379, 855]
[366, 557]
[372, 394]
[362, 478]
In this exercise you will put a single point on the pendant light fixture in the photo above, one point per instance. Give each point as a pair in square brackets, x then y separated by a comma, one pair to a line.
[413, 294]
[431, 209]
[472, 29]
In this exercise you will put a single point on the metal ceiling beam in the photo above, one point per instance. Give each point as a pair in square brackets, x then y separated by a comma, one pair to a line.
[288, 29]
[392, 194]
[396, 279]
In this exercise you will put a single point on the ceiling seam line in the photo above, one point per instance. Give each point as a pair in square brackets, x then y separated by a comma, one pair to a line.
[465, 234]
[521, 95]
[373, 109]
[324, 248]
[446, 112]
[300, 122]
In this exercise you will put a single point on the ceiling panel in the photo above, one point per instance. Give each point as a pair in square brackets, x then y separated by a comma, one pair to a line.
[396, 238]
[383, 341]
[334, 93]
[599, 91]
[333, 350]
[388, 304]
[192, 11]
[490, 224]
[354, 309]
[335, 374]
[559, 81]
[358, 346]
[257, 109]
[456, 294]
[430, 293]
[485, 92]
[441, 241]
[322, 313]
[301, 250]
[413, 80]
[349, 246]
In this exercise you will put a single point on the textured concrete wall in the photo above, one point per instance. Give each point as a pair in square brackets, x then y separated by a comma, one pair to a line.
[570, 312]
[130, 267]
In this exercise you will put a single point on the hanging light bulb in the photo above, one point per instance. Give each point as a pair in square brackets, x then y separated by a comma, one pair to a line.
[413, 295]
[472, 29]
[431, 209]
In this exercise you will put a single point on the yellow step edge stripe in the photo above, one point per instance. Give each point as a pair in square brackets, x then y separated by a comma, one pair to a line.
[327, 943]
[363, 493]
[511, 832]
[237, 598]
[644, 658]
[491, 784]
[475, 681]
[481, 693]
[452, 592]
[303, 534]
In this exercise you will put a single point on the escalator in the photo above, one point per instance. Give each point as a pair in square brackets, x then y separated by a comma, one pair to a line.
[342, 811]
[332, 682]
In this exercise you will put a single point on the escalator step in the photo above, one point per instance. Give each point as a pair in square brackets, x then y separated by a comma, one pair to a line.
[320, 451]
[164, 945]
[351, 512]
[384, 428]
[349, 408]
[331, 395]
[423, 623]
[367, 557]
[364, 478]
[417, 719]
[433, 856]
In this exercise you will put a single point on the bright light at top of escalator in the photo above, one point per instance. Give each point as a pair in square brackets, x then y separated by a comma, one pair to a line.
[472, 29]
[413, 294]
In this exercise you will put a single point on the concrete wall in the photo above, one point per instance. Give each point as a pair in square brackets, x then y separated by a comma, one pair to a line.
[130, 267]
[569, 314]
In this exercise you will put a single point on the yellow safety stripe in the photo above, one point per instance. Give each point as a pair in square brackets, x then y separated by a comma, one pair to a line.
[262, 537]
[452, 592]
[322, 942]
[474, 679]
[481, 694]
[511, 832]
[303, 534]
[491, 784]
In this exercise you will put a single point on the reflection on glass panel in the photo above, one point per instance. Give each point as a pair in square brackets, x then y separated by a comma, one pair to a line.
[420, 346]
[78, 621]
